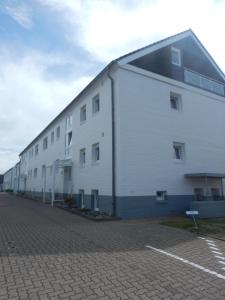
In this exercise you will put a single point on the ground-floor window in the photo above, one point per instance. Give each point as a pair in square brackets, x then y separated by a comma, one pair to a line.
[95, 197]
[199, 194]
[215, 192]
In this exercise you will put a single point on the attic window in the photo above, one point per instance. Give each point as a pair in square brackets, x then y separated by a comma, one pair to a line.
[175, 56]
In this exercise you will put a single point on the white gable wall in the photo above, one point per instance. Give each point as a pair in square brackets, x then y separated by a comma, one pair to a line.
[147, 128]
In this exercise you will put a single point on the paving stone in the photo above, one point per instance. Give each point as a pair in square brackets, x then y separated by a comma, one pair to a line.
[47, 253]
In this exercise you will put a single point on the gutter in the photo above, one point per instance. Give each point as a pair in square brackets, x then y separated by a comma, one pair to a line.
[113, 144]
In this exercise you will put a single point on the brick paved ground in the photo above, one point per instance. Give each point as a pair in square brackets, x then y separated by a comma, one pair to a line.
[47, 253]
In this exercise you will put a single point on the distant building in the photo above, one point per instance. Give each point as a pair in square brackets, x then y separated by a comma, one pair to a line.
[145, 138]
[1, 182]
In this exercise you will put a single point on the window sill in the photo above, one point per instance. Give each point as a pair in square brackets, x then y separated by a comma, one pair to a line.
[94, 163]
[83, 122]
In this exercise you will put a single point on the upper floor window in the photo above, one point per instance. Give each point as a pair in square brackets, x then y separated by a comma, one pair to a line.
[95, 104]
[175, 56]
[35, 172]
[175, 101]
[52, 137]
[83, 114]
[45, 143]
[43, 170]
[58, 132]
[36, 150]
[95, 152]
[69, 139]
[82, 157]
[178, 151]
[69, 121]
[31, 152]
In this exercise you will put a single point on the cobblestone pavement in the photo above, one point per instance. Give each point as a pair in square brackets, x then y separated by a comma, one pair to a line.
[48, 253]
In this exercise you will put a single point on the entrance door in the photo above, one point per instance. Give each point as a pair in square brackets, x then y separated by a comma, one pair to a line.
[81, 196]
[68, 180]
[95, 198]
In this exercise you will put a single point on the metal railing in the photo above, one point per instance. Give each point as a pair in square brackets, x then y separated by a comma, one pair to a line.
[204, 82]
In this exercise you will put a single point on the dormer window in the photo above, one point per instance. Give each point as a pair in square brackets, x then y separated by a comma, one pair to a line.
[175, 56]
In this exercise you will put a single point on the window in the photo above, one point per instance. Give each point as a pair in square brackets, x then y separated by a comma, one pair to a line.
[161, 195]
[31, 152]
[175, 56]
[68, 149]
[215, 194]
[82, 157]
[69, 139]
[58, 132]
[36, 150]
[81, 198]
[83, 114]
[95, 199]
[52, 137]
[95, 104]
[45, 143]
[35, 173]
[175, 101]
[43, 171]
[178, 151]
[50, 170]
[95, 152]
[199, 195]
[69, 122]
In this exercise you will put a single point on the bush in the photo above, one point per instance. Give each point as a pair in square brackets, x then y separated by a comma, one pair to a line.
[9, 190]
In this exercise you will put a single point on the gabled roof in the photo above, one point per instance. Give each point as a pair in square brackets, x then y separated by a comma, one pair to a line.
[125, 59]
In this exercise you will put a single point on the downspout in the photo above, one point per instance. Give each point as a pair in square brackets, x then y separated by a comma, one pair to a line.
[113, 145]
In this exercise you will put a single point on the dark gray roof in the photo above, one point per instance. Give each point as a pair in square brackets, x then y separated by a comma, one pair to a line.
[209, 175]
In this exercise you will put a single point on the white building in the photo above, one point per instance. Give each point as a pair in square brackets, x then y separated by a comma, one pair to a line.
[145, 138]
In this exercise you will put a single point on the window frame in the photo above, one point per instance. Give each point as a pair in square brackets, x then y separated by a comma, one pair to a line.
[58, 129]
[82, 161]
[161, 196]
[181, 147]
[52, 137]
[45, 143]
[94, 100]
[83, 112]
[178, 52]
[94, 155]
[178, 100]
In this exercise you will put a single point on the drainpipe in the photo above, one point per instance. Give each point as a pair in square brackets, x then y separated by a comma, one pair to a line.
[113, 145]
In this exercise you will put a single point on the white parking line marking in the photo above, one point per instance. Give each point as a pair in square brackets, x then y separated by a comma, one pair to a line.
[211, 244]
[217, 252]
[221, 262]
[187, 262]
[214, 248]
[210, 241]
[220, 257]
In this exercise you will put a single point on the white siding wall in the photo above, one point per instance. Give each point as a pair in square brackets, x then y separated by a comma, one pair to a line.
[147, 127]
[96, 129]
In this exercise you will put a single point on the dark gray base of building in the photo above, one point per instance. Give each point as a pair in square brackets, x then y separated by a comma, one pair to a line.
[209, 209]
[128, 207]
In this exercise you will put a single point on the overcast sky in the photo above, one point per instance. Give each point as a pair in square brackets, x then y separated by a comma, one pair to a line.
[51, 49]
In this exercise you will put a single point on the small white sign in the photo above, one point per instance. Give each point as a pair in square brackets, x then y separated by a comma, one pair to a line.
[192, 212]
